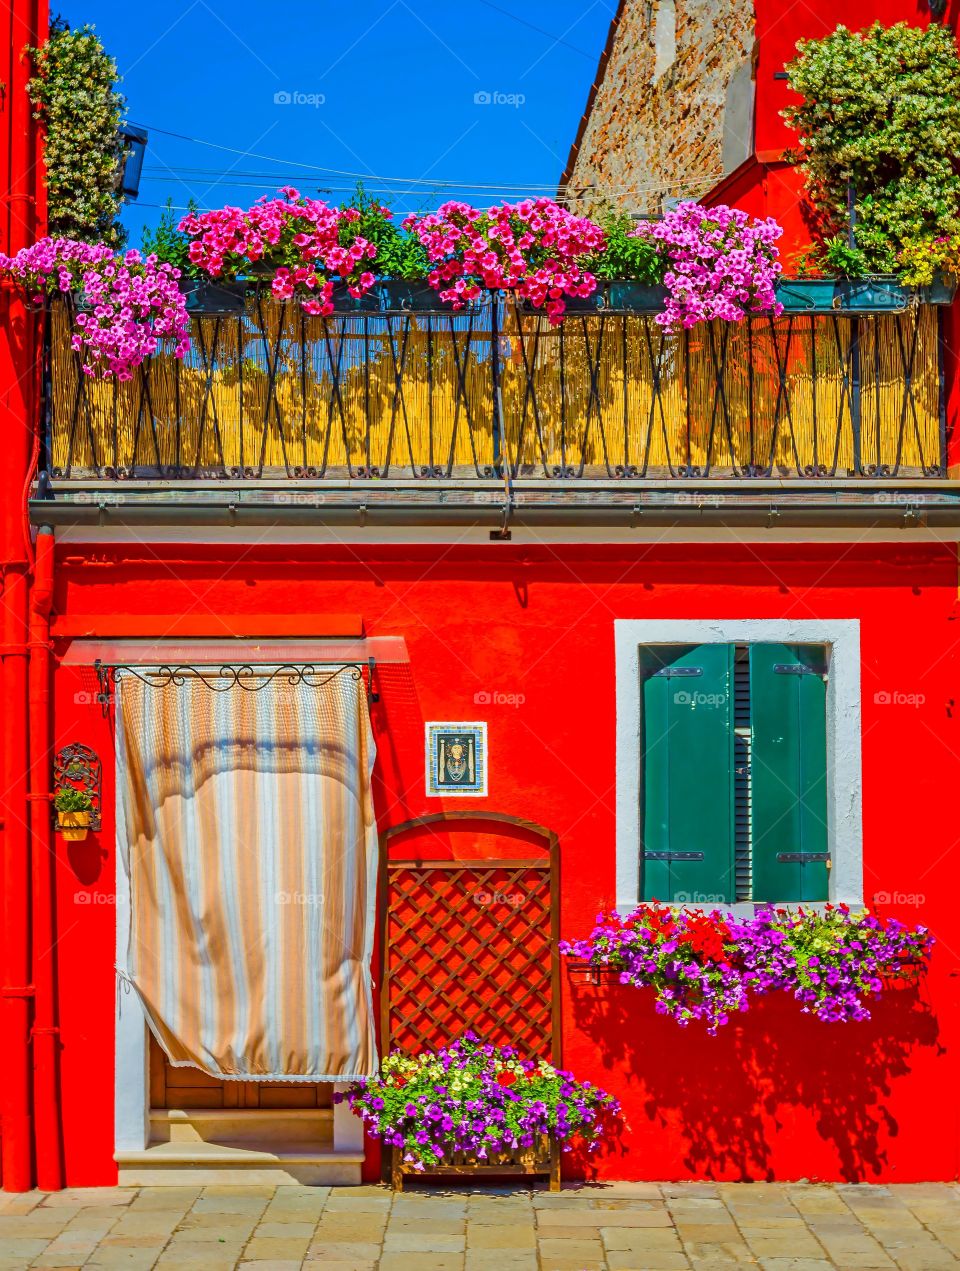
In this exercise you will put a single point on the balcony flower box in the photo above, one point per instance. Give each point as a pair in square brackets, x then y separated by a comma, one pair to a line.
[840, 295]
[402, 295]
[627, 296]
[939, 292]
[345, 303]
[206, 296]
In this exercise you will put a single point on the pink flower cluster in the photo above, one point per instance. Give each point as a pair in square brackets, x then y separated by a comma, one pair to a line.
[535, 247]
[721, 263]
[130, 302]
[305, 242]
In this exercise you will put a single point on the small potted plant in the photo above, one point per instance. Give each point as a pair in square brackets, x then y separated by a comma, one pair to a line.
[74, 812]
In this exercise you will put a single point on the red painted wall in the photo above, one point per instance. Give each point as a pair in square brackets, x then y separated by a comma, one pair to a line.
[777, 1095]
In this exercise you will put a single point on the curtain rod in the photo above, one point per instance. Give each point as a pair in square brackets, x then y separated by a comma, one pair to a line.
[223, 677]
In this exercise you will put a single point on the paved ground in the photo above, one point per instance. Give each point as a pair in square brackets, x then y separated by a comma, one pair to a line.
[614, 1228]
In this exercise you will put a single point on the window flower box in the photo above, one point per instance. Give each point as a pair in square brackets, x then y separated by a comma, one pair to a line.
[588, 974]
[709, 965]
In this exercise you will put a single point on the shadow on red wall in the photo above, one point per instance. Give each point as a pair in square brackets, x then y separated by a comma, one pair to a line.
[727, 1098]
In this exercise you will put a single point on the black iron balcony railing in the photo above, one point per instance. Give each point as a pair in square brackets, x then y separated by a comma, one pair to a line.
[273, 393]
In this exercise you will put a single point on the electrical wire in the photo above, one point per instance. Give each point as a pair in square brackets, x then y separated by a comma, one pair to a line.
[557, 39]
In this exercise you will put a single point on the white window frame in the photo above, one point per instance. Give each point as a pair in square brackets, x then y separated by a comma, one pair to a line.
[841, 637]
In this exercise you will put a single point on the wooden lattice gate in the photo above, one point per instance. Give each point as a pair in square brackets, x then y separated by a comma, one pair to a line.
[471, 945]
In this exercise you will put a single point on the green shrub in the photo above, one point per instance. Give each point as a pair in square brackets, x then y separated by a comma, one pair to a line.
[69, 799]
[74, 94]
[881, 109]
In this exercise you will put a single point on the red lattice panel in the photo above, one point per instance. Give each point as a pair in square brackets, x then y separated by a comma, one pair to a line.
[470, 947]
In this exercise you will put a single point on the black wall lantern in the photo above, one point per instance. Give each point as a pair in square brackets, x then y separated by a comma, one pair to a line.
[133, 146]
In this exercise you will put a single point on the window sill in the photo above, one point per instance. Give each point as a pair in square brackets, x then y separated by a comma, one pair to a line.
[747, 908]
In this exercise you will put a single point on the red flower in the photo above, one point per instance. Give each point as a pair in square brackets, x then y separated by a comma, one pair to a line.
[400, 1082]
[506, 1078]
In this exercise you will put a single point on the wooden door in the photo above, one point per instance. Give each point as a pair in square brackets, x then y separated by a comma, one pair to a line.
[172, 1087]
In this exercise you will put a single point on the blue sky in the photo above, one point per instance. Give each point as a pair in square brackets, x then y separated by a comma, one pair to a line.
[480, 92]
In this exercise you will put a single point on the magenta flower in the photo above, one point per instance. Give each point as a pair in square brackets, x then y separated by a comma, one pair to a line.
[130, 303]
[721, 263]
[535, 248]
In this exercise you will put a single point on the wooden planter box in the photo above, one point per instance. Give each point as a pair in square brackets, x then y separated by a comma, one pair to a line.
[531, 1162]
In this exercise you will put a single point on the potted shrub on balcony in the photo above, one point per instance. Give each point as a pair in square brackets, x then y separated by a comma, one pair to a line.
[74, 812]
[841, 282]
[475, 1108]
[878, 121]
[630, 268]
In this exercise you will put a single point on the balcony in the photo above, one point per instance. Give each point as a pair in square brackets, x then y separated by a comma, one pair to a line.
[276, 414]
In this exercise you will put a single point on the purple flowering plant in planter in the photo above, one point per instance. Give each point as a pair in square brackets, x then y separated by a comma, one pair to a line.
[720, 263]
[706, 965]
[130, 302]
[476, 1098]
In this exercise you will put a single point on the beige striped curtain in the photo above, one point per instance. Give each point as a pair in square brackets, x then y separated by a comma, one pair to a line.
[246, 827]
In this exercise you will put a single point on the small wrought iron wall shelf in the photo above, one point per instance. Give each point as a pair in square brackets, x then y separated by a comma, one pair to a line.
[251, 677]
[78, 767]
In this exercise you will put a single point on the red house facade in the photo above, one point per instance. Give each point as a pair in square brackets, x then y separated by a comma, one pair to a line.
[683, 617]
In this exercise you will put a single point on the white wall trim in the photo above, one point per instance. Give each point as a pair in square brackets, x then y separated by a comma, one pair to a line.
[844, 775]
[131, 1056]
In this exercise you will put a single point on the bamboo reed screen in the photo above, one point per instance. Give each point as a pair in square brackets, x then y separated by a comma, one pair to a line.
[273, 392]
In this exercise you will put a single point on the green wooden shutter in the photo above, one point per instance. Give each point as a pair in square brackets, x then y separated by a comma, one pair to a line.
[687, 814]
[788, 772]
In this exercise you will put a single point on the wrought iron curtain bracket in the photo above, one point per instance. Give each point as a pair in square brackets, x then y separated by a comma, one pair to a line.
[251, 677]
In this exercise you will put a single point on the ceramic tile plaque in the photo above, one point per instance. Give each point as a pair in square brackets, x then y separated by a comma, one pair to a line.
[456, 759]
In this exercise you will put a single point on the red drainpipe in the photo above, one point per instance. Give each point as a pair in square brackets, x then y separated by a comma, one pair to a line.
[46, 1033]
[21, 221]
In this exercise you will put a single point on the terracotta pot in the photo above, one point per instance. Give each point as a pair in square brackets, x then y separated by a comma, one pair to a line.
[74, 826]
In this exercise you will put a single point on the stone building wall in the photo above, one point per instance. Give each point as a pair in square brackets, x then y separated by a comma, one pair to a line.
[671, 112]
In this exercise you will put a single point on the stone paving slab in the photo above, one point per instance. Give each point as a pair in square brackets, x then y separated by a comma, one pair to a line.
[590, 1227]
